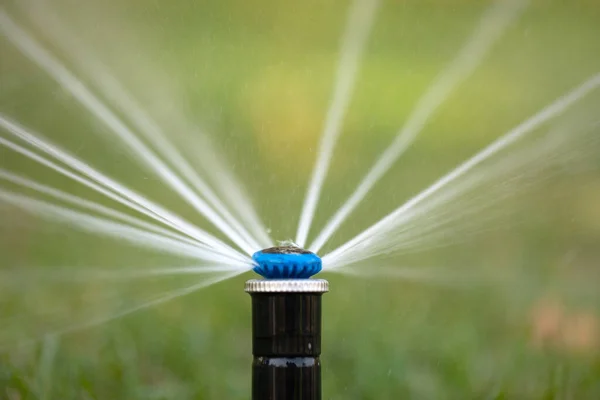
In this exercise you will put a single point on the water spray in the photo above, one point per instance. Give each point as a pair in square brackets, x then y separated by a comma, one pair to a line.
[286, 324]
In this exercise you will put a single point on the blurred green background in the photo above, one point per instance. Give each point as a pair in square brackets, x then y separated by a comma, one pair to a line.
[256, 77]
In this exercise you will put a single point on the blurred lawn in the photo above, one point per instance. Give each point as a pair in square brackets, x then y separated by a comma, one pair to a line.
[257, 77]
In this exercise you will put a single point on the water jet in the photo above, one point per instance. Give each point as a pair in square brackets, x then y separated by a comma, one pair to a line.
[286, 324]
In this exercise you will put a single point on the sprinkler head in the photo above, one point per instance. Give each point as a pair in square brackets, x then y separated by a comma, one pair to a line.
[286, 262]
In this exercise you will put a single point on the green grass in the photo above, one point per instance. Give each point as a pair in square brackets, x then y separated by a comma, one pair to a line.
[258, 78]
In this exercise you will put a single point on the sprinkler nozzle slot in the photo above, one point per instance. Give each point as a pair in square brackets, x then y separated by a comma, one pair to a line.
[286, 338]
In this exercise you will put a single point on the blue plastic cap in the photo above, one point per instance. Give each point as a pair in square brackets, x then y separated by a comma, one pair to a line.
[286, 262]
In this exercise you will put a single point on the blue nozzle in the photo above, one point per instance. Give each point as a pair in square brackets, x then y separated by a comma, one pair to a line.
[286, 262]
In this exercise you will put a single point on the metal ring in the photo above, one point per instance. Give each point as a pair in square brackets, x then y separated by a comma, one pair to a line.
[287, 286]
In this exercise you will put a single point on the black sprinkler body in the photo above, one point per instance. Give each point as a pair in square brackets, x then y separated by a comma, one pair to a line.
[286, 337]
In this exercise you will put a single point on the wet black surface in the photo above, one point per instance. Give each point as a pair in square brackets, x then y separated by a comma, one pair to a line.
[286, 250]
